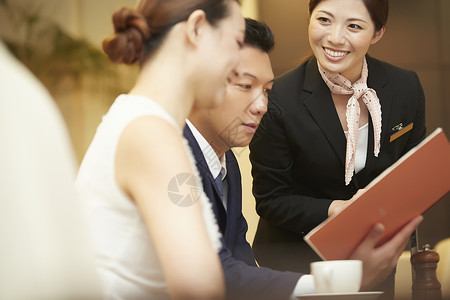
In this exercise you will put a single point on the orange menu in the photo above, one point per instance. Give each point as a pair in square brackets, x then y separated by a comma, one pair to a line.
[403, 191]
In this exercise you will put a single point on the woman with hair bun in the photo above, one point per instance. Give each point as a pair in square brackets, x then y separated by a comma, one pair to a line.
[153, 230]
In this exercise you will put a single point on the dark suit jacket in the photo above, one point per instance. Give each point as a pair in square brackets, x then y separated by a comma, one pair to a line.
[298, 155]
[244, 280]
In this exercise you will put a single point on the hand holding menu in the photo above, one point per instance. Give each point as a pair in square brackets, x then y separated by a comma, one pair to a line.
[403, 191]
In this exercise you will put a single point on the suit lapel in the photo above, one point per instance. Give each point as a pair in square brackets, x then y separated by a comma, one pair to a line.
[378, 81]
[320, 104]
[209, 185]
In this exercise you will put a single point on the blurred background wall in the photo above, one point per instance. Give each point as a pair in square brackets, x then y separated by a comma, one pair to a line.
[60, 41]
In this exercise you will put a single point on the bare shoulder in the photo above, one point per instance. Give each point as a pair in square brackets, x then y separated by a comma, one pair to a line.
[150, 150]
[151, 137]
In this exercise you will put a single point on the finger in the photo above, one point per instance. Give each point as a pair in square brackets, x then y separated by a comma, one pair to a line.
[374, 236]
[407, 230]
[397, 243]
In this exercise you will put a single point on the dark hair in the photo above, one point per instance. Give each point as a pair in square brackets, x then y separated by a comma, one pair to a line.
[378, 10]
[138, 32]
[258, 35]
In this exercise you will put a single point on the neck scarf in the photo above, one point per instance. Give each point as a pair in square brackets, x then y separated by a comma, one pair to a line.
[338, 84]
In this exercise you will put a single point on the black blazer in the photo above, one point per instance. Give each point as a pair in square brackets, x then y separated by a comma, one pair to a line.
[298, 155]
[244, 280]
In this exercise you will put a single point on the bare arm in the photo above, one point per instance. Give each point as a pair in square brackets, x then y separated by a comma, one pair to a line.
[378, 262]
[149, 155]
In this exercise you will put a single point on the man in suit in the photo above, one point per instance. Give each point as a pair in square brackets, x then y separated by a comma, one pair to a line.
[211, 133]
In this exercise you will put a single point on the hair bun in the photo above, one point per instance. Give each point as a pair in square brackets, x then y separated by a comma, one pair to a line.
[131, 33]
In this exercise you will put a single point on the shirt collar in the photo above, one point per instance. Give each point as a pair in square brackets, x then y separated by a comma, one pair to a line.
[215, 164]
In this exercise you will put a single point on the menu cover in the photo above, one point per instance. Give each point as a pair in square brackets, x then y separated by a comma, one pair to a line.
[403, 191]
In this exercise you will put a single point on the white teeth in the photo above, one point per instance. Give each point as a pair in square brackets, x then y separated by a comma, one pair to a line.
[335, 53]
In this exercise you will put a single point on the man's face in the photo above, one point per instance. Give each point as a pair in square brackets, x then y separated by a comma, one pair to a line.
[235, 121]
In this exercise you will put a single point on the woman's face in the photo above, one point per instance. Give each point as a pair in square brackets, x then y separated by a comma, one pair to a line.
[340, 33]
[219, 55]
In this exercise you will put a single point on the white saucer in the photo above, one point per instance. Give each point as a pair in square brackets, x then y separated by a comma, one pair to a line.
[342, 296]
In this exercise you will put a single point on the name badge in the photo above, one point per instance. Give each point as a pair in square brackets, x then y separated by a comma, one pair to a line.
[400, 130]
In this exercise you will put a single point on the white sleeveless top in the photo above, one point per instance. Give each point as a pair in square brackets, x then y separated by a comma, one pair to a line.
[126, 259]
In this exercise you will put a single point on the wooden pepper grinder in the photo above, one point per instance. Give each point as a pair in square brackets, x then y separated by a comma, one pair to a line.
[425, 284]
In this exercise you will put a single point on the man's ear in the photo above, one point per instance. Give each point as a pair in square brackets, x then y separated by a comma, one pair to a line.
[195, 25]
[378, 35]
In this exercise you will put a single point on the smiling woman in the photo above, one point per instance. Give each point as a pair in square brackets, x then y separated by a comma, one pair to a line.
[327, 130]
[340, 34]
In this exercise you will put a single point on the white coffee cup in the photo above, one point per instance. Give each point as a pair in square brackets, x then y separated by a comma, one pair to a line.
[337, 276]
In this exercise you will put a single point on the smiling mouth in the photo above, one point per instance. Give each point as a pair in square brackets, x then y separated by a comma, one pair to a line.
[335, 53]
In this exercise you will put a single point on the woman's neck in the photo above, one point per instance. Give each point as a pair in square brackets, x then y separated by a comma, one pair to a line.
[354, 73]
[163, 79]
